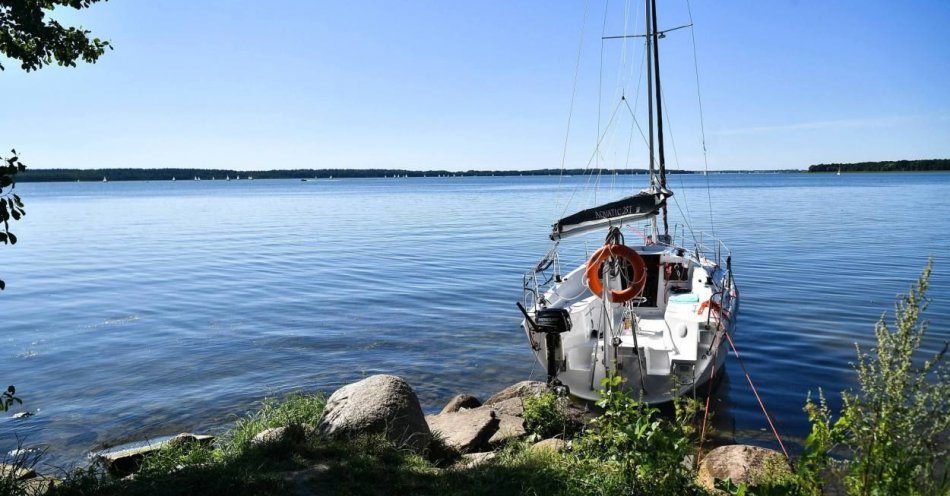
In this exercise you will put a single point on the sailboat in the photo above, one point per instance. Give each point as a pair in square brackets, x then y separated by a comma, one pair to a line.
[654, 311]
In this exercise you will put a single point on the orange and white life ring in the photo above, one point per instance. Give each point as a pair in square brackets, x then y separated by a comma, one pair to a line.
[597, 260]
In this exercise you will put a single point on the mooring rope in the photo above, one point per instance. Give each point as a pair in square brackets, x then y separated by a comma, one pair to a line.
[757, 397]
[709, 385]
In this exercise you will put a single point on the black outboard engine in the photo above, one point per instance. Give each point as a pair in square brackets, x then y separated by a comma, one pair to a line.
[552, 322]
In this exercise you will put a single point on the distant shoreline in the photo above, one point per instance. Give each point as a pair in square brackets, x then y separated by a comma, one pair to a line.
[929, 165]
[182, 174]
[190, 174]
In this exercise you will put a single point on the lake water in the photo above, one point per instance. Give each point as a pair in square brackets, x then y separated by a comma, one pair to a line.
[151, 308]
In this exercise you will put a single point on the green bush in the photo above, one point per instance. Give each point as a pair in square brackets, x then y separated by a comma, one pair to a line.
[895, 429]
[646, 451]
[544, 416]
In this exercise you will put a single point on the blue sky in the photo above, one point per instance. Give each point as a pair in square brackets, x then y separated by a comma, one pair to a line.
[484, 85]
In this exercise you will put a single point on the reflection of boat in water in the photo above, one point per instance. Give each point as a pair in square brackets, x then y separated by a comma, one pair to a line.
[654, 311]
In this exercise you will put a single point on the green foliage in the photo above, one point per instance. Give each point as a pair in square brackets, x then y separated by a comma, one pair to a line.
[8, 398]
[30, 36]
[295, 409]
[895, 430]
[234, 467]
[544, 416]
[647, 450]
[368, 465]
[11, 206]
[16, 461]
[815, 456]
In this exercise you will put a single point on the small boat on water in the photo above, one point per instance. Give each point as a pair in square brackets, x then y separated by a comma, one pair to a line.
[653, 311]
[104, 179]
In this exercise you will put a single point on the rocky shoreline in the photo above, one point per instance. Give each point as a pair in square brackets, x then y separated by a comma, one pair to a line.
[466, 433]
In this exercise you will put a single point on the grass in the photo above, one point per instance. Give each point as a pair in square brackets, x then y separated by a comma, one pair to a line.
[304, 463]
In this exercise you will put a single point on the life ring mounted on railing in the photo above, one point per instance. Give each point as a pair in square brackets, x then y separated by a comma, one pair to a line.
[597, 260]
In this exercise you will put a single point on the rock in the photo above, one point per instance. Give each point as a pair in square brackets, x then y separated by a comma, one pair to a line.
[519, 390]
[269, 436]
[553, 444]
[751, 465]
[461, 401]
[188, 438]
[472, 460]
[123, 462]
[465, 431]
[380, 404]
[39, 486]
[509, 427]
[511, 406]
[15, 472]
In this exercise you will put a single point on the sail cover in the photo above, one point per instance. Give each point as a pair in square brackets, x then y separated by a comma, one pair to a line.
[642, 205]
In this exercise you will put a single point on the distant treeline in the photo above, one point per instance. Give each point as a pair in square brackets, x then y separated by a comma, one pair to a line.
[51, 175]
[936, 164]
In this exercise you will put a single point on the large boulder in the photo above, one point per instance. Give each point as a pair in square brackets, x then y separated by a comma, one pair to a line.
[741, 463]
[519, 390]
[461, 401]
[380, 404]
[466, 431]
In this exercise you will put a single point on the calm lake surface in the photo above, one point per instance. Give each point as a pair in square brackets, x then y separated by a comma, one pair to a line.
[142, 309]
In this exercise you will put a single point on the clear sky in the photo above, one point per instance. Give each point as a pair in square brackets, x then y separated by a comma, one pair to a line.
[482, 85]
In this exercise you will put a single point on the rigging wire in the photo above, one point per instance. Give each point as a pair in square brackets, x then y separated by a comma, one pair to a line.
[570, 113]
[702, 125]
[687, 221]
[594, 155]
[600, 91]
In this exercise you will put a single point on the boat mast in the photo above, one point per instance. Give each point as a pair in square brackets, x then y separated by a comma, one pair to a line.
[649, 40]
[659, 109]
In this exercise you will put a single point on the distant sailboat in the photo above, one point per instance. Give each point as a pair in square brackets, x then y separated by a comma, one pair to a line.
[839, 171]
[104, 179]
[173, 178]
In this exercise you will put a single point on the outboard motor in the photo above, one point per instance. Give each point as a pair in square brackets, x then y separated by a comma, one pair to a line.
[552, 322]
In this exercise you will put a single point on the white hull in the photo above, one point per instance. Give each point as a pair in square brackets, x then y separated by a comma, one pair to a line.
[663, 345]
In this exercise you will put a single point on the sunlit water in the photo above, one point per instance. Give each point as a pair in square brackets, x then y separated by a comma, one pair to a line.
[141, 309]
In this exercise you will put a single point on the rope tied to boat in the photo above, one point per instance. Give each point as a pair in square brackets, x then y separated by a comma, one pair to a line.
[757, 397]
